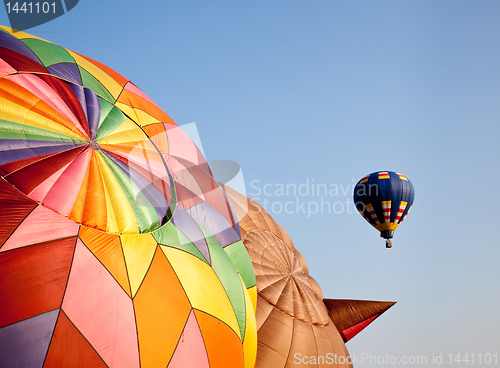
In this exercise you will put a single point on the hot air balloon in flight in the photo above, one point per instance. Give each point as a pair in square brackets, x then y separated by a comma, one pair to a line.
[118, 249]
[384, 198]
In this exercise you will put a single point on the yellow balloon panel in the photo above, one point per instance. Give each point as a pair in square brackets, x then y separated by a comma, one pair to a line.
[121, 217]
[250, 341]
[109, 83]
[139, 251]
[203, 288]
[56, 123]
[19, 34]
[140, 117]
[252, 293]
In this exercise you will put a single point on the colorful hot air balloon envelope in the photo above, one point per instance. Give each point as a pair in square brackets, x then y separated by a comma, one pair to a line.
[118, 249]
[384, 198]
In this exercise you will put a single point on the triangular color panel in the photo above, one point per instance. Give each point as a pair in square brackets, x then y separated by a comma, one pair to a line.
[40, 226]
[25, 344]
[69, 349]
[139, 251]
[190, 351]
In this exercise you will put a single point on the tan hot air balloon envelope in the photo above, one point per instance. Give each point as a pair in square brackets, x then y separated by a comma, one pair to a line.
[296, 326]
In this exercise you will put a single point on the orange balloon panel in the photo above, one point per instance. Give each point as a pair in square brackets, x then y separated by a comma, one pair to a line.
[216, 335]
[162, 309]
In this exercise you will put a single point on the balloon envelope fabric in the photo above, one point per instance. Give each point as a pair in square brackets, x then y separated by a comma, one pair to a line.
[117, 246]
[293, 323]
[384, 198]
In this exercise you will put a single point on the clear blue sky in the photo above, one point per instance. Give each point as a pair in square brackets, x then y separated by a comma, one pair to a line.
[296, 91]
